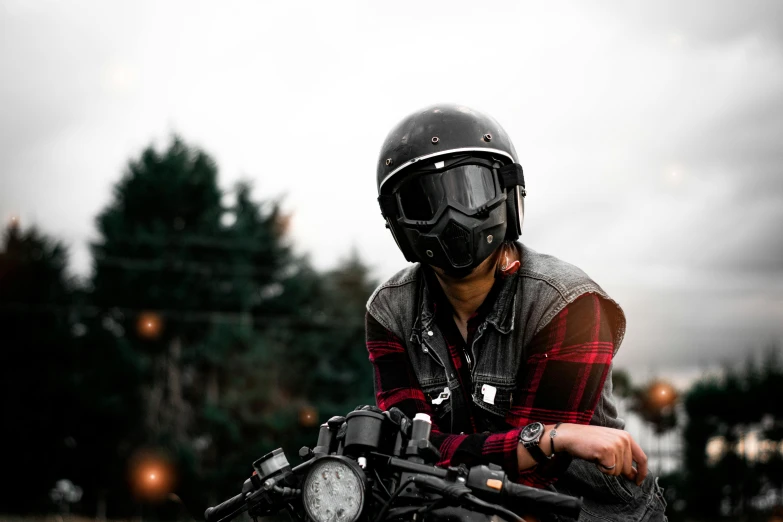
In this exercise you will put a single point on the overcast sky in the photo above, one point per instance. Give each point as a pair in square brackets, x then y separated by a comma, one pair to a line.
[651, 133]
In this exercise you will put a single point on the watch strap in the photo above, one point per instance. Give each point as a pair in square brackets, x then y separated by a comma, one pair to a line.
[535, 451]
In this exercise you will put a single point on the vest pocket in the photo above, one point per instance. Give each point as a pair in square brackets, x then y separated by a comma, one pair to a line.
[439, 403]
[495, 399]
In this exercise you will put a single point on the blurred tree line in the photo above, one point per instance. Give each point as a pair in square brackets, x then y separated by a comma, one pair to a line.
[199, 341]
[739, 417]
[732, 431]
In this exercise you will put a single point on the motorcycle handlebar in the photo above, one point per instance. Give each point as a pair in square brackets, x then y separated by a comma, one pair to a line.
[216, 513]
[553, 502]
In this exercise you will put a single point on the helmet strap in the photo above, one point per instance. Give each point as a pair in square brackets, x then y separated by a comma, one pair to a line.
[511, 175]
[388, 205]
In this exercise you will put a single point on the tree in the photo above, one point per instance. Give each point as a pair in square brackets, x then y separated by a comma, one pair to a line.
[243, 346]
[35, 293]
[199, 338]
[730, 408]
[176, 275]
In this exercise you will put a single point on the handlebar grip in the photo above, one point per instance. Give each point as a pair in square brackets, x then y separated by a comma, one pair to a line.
[213, 514]
[556, 503]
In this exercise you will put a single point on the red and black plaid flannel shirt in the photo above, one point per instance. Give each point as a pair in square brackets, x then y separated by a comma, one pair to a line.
[561, 381]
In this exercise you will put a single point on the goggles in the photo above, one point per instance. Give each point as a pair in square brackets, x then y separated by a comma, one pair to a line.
[469, 185]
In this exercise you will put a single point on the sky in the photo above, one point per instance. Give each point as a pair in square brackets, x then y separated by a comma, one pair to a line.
[651, 133]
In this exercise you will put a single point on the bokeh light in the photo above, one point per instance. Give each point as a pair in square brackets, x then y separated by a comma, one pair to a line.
[308, 416]
[151, 475]
[662, 394]
[149, 325]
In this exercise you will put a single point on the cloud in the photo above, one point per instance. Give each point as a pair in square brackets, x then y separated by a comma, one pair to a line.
[704, 22]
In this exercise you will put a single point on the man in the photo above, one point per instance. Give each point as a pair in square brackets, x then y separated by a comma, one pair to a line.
[508, 350]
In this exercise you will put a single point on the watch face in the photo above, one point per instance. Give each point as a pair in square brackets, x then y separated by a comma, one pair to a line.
[531, 432]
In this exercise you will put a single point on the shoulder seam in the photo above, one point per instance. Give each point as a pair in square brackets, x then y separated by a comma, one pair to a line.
[540, 277]
[406, 281]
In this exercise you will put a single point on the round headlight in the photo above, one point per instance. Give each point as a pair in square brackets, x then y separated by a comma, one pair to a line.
[333, 490]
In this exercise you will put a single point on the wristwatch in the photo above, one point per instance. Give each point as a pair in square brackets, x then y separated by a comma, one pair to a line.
[529, 437]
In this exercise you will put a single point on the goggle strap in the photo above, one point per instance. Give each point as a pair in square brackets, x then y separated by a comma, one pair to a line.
[388, 205]
[511, 175]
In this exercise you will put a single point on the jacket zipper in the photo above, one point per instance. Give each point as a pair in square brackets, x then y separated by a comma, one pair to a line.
[467, 352]
[468, 359]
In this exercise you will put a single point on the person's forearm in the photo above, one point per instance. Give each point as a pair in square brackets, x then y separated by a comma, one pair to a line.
[525, 460]
[613, 450]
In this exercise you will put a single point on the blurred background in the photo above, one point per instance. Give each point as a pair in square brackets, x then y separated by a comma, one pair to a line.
[190, 231]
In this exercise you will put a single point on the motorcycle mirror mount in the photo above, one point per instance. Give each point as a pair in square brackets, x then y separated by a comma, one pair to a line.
[325, 439]
[271, 464]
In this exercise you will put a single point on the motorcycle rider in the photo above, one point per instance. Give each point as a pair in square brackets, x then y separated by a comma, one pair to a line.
[508, 350]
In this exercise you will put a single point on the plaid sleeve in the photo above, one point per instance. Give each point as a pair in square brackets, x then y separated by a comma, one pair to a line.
[568, 362]
[395, 381]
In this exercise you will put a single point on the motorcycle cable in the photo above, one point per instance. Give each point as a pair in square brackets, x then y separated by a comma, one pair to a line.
[383, 486]
[421, 512]
[394, 495]
[379, 498]
[294, 514]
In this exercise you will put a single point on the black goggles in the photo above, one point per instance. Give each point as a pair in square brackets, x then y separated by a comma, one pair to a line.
[468, 184]
[470, 187]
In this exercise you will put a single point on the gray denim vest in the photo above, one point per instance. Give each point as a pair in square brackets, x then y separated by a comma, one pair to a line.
[526, 303]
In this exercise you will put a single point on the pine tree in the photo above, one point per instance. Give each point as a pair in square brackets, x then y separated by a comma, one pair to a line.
[240, 346]
[35, 294]
[187, 282]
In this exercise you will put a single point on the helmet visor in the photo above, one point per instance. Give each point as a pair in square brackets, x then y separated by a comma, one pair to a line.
[468, 186]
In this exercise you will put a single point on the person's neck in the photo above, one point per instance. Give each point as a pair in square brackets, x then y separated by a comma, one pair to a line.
[466, 294]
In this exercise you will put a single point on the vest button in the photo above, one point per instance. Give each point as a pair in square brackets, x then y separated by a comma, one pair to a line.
[430, 333]
[426, 350]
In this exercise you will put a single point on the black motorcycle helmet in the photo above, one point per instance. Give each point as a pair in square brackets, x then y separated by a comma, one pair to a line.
[450, 187]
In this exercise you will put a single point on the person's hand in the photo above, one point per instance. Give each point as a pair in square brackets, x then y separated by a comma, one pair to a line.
[613, 451]
[397, 417]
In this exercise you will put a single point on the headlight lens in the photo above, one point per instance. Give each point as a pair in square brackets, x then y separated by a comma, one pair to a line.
[333, 491]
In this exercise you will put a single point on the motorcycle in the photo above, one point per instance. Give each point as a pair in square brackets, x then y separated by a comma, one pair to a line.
[374, 466]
